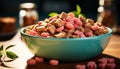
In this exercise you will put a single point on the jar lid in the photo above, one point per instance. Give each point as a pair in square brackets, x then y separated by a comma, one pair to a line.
[27, 5]
[7, 19]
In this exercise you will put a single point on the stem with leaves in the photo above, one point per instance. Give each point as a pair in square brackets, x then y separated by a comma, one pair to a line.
[78, 11]
[5, 53]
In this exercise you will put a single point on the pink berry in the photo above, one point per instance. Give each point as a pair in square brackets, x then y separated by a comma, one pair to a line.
[103, 60]
[77, 21]
[44, 34]
[92, 65]
[78, 66]
[89, 34]
[33, 33]
[69, 19]
[102, 65]
[82, 35]
[111, 60]
[76, 26]
[95, 27]
[38, 59]
[60, 29]
[53, 62]
[31, 62]
[111, 65]
[77, 32]
[69, 26]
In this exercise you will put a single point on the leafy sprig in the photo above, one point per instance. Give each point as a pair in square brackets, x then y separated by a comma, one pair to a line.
[52, 14]
[78, 11]
[5, 53]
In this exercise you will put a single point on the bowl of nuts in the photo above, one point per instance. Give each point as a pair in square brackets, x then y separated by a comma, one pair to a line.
[66, 38]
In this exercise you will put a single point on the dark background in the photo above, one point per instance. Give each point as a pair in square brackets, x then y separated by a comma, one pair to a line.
[89, 8]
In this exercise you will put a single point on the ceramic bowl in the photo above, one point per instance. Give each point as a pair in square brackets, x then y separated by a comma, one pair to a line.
[66, 49]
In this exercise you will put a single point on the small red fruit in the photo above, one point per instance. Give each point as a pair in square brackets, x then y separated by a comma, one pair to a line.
[78, 66]
[31, 62]
[38, 59]
[53, 62]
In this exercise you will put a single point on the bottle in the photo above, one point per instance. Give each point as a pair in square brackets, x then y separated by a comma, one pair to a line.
[106, 13]
[28, 14]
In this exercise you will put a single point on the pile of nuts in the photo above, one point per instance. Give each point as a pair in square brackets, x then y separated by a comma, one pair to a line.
[66, 25]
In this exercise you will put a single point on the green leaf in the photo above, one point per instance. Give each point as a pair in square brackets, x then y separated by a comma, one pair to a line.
[76, 14]
[9, 46]
[1, 54]
[78, 9]
[1, 48]
[82, 15]
[53, 14]
[11, 55]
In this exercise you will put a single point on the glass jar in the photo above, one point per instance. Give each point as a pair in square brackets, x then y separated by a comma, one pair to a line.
[106, 13]
[28, 14]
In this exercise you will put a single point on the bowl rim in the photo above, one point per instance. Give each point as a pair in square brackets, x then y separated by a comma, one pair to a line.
[94, 37]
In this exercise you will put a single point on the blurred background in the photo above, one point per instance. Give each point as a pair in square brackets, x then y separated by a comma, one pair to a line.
[10, 8]
[89, 8]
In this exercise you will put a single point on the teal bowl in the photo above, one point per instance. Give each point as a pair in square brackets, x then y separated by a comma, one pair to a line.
[66, 49]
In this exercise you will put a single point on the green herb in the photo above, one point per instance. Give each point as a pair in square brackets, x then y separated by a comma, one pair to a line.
[78, 11]
[52, 14]
[5, 53]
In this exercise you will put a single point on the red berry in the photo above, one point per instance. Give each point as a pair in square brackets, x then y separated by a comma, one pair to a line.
[69, 26]
[53, 62]
[38, 59]
[44, 34]
[78, 66]
[95, 27]
[33, 33]
[75, 25]
[77, 21]
[103, 60]
[31, 62]
[111, 65]
[111, 60]
[102, 65]
[69, 19]
[77, 32]
[89, 34]
[92, 65]
[82, 35]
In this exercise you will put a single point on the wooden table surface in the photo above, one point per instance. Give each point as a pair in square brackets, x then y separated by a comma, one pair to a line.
[112, 49]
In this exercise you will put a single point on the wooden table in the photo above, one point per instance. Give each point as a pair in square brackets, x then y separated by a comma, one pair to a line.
[113, 47]
[112, 50]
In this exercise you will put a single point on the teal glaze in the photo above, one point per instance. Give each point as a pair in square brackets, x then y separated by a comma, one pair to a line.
[66, 49]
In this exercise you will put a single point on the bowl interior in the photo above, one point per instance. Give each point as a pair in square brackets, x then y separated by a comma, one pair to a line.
[22, 31]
